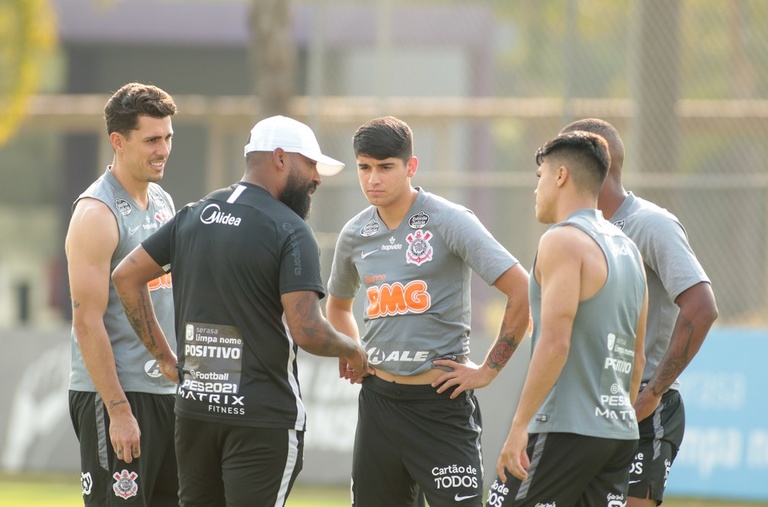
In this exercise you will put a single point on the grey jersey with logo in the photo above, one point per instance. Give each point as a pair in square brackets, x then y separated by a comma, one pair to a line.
[136, 368]
[416, 280]
[671, 268]
[591, 396]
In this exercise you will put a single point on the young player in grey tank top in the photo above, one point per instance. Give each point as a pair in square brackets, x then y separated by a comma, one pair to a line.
[574, 430]
[412, 253]
[681, 310]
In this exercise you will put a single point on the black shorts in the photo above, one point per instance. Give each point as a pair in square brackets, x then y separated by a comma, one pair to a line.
[660, 437]
[411, 438]
[568, 469]
[247, 466]
[149, 481]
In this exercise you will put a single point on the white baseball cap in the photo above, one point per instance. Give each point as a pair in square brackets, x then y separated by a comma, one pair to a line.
[292, 136]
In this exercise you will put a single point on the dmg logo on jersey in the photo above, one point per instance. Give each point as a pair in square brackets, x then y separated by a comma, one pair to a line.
[212, 214]
[397, 299]
[125, 484]
[161, 282]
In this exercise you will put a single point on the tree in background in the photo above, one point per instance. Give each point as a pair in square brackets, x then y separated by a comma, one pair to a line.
[272, 51]
[27, 38]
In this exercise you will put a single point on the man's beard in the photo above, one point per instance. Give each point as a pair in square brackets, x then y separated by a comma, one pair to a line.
[296, 195]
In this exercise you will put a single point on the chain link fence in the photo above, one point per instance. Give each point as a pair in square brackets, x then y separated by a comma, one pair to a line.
[482, 83]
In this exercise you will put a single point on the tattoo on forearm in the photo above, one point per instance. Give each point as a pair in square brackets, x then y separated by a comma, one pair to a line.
[140, 318]
[113, 404]
[315, 327]
[501, 352]
[672, 366]
[75, 304]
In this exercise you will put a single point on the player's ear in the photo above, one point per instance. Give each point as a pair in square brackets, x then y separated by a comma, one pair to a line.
[279, 158]
[412, 166]
[562, 175]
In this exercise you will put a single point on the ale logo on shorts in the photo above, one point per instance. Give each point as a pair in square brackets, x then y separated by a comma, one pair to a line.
[86, 482]
[125, 484]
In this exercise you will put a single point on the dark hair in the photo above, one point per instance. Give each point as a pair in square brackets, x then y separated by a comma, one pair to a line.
[599, 127]
[383, 138]
[123, 109]
[584, 152]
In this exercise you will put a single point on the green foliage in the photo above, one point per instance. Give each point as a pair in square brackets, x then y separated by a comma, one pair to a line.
[28, 31]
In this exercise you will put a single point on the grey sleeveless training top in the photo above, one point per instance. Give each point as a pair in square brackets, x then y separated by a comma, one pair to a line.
[136, 368]
[671, 268]
[591, 397]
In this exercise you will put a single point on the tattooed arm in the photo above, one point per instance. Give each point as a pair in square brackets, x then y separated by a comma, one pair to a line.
[313, 333]
[514, 326]
[130, 278]
[698, 312]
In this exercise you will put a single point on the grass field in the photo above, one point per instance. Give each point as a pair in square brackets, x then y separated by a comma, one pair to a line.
[63, 490]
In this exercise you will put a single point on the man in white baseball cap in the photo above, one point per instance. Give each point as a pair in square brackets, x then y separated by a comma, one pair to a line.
[293, 137]
[247, 287]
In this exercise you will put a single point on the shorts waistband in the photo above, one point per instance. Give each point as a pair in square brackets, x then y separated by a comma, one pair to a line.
[407, 393]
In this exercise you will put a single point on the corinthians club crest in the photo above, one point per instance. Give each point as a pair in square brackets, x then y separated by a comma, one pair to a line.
[419, 250]
[125, 484]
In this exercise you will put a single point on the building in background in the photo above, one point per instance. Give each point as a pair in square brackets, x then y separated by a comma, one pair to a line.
[482, 82]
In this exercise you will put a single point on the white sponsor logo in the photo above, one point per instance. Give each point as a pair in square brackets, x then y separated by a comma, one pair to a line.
[212, 214]
[378, 356]
[617, 365]
[618, 250]
[456, 476]
[497, 494]
[459, 498]
[363, 255]
[132, 230]
[152, 369]
[392, 245]
[86, 481]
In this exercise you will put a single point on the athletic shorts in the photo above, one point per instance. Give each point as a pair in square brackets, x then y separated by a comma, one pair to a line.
[222, 465]
[568, 469]
[148, 481]
[660, 437]
[411, 438]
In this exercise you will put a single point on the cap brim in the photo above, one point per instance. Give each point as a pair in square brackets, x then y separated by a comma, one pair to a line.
[327, 166]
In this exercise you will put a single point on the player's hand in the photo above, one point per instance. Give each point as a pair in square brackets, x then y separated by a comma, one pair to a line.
[646, 403]
[355, 366]
[169, 369]
[465, 376]
[124, 433]
[513, 457]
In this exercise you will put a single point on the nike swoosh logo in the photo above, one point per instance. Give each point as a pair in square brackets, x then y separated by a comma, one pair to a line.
[132, 230]
[634, 482]
[363, 255]
[459, 498]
